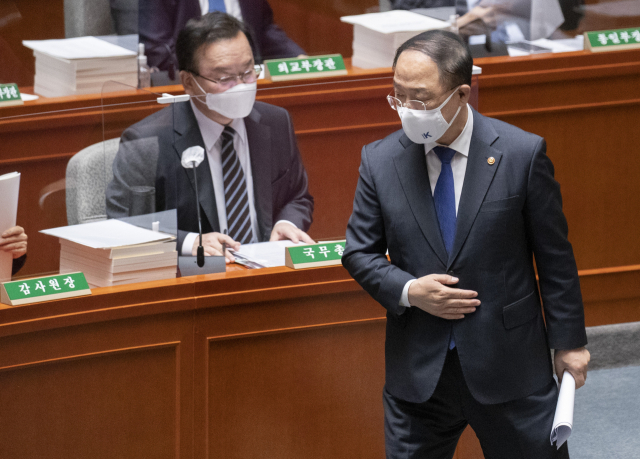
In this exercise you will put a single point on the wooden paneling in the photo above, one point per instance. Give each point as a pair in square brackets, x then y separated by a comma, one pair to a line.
[34, 20]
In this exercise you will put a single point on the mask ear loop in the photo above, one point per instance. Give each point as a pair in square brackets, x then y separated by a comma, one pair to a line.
[204, 93]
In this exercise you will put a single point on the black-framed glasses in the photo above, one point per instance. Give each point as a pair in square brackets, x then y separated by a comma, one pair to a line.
[250, 76]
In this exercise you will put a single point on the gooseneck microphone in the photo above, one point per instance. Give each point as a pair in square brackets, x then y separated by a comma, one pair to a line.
[191, 159]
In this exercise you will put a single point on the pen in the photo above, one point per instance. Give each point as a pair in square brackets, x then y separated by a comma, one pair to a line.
[224, 245]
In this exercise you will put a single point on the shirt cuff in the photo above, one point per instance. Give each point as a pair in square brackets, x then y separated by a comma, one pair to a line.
[404, 298]
[285, 221]
[187, 244]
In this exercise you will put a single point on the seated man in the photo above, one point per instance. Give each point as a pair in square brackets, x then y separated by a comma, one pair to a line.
[14, 240]
[160, 21]
[251, 183]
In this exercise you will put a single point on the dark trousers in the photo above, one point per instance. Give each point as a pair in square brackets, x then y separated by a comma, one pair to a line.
[518, 429]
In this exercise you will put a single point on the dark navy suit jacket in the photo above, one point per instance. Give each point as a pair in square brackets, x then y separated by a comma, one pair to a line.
[509, 212]
[280, 184]
[160, 21]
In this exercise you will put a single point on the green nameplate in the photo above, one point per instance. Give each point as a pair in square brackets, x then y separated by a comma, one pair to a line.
[311, 256]
[44, 289]
[10, 95]
[612, 40]
[311, 67]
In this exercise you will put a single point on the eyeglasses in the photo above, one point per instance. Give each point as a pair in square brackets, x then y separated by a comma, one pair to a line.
[395, 103]
[250, 76]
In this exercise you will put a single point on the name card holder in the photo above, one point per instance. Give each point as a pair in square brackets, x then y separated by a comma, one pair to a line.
[10, 95]
[315, 255]
[311, 67]
[612, 40]
[46, 288]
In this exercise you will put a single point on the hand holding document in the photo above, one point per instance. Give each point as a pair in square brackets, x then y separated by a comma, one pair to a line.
[9, 187]
[563, 419]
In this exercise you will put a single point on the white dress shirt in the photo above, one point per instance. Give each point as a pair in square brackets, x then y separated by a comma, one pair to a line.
[232, 6]
[211, 134]
[458, 167]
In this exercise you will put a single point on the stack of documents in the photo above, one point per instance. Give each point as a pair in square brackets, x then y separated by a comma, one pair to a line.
[377, 36]
[80, 65]
[112, 252]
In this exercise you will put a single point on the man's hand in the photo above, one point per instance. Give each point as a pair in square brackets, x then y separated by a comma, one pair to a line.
[575, 361]
[14, 240]
[286, 231]
[212, 243]
[431, 294]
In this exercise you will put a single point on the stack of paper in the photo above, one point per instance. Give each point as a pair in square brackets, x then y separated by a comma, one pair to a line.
[112, 252]
[80, 66]
[377, 36]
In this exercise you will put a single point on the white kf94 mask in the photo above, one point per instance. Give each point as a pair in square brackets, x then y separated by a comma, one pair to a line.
[234, 103]
[426, 126]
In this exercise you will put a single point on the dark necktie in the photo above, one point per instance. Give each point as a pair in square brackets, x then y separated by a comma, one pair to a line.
[444, 197]
[235, 191]
[217, 5]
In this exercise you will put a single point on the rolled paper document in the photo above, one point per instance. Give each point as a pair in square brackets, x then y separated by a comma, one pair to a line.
[563, 419]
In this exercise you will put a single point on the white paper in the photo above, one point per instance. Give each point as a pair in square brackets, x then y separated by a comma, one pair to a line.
[107, 234]
[395, 21]
[563, 419]
[267, 254]
[28, 97]
[9, 190]
[77, 48]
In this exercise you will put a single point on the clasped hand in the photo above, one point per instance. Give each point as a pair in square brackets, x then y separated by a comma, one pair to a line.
[432, 294]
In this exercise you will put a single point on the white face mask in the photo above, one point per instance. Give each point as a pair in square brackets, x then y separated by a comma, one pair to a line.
[425, 126]
[234, 103]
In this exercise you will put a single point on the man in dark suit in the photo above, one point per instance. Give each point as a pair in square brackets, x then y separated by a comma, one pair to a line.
[251, 181]
[462, 219]
[160, 21]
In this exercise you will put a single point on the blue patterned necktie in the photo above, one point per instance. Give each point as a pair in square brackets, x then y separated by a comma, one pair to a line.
[217, 5]
[235, 191]
[444, 198]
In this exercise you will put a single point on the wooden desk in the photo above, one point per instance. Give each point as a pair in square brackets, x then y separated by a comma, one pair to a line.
[585, 105]
[270, 363]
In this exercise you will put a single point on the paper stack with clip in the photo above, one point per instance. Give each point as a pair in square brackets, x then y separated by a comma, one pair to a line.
[80, 65]
[112, 252]
[377, 36]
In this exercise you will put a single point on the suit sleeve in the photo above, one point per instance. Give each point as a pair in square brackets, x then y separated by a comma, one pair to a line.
[274, 42]
[365, 253]
[18, 263]
[299, 206]
[156, 30]
[557, 271]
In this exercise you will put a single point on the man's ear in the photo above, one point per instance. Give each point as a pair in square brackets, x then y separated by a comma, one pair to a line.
[465, 93]
[188, 83]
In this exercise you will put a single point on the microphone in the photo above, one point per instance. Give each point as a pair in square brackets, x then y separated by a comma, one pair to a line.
[191, 158]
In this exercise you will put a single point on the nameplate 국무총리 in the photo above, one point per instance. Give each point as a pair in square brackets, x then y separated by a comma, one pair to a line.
[47, 288]
[612, 40]
[314, 255]
[10, 95]
[310, 67]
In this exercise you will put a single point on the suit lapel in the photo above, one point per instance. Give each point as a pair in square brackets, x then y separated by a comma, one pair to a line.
[411, 166]
[188, 135]
[477, 179]
[259, 139]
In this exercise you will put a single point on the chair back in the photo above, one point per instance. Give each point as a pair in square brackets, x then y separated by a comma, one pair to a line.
[88, 174]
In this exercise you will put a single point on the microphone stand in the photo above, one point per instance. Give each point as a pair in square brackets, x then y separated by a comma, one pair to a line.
[200, 252]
